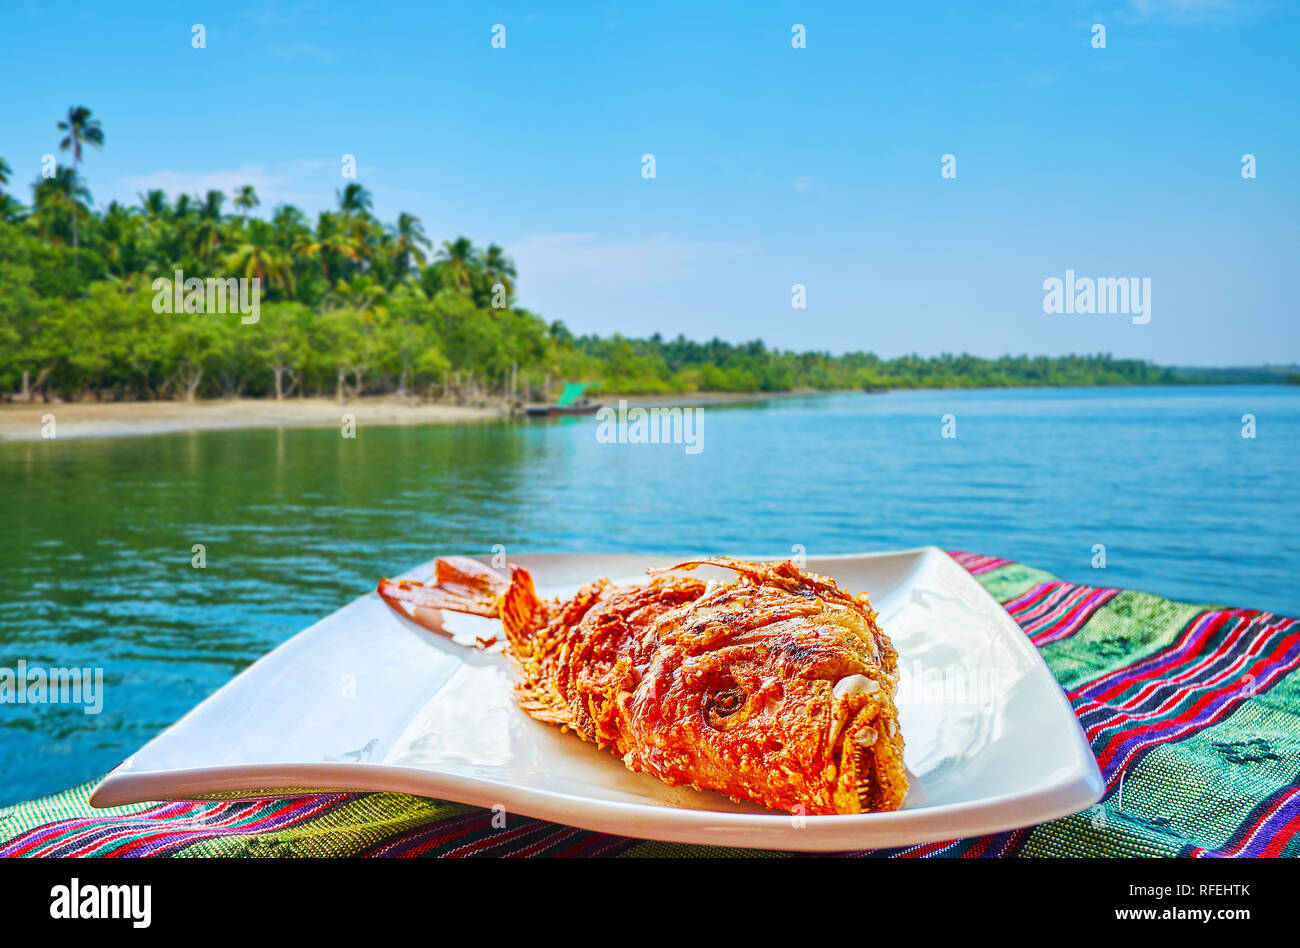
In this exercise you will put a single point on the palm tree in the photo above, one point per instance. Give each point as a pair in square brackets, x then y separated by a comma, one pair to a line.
[458, 262]
[288, 222]
[354, 200]
[498, 268]
[119, 231]
[184, 207]
[11, 211]
[259, 258]
[408, 241]
[246, 198]
[364, 233]
[155, 204]
[207, 232]
[176, 230]
[56, 197]
[330, 240]
[82, 130]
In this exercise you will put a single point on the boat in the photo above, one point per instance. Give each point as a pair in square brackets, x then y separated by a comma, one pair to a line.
[572, 401]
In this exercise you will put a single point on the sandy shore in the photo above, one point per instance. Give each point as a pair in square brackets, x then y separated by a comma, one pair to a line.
[119, 419]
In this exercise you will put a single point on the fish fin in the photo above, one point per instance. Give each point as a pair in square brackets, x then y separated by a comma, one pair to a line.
[522, 612]
[410, 597]
[464, 585]
[469, 579]
[781, 573]
[726, 562]
[459, 585]
[541, 710]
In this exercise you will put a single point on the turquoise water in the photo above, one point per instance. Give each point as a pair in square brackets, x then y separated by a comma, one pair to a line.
[97, 535]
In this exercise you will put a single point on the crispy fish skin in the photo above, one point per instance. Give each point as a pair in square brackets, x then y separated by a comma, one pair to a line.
[777, 688]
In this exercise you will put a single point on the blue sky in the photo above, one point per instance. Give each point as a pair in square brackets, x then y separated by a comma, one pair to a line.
[775, 165]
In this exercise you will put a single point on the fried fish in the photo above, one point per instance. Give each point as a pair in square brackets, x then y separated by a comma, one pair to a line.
[776, 688]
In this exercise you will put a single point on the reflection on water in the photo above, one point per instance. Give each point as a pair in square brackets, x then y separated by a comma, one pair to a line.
[97, 535]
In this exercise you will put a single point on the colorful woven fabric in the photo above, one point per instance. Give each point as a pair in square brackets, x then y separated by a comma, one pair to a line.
[1193, 712]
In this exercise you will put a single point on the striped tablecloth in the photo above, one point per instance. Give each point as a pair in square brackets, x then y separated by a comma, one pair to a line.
[1193, 712]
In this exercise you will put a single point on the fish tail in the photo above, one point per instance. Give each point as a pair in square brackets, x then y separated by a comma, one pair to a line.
[461, 584]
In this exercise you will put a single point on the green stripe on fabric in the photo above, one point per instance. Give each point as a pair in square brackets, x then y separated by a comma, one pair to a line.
[1007, 582]
[1125, 630]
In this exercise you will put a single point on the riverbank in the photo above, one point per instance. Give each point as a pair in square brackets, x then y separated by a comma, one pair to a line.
[27, 422]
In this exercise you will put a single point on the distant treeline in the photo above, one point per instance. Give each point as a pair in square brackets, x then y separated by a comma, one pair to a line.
[1238, 375]
[349, 305]
[679, 365]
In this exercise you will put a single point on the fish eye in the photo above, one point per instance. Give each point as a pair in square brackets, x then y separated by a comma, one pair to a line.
[723, 704]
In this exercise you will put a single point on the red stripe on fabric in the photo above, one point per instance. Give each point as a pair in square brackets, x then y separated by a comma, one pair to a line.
[593, 844]
[1153, 675]
[1191, 716]
[36, 836]
[1061, 597]
[278, 814]
[1076, 620]
[501, 838]
[281, 815]
[548, 841]
[90, 827]
[1283, 835]
[439, 833]
[1064, 607]
[925, 849]
[1085, 707]
[1033, 598]
[1199, 632]
[976, 563]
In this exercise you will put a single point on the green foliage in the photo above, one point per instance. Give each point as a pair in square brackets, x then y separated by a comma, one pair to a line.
[350, 306]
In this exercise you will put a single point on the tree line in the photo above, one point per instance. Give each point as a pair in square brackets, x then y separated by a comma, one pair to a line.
[350, 306]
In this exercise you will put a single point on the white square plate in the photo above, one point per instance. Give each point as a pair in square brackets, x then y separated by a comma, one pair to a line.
[365, 700]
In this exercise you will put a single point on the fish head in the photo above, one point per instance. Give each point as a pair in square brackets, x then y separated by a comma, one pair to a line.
[779, 692]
